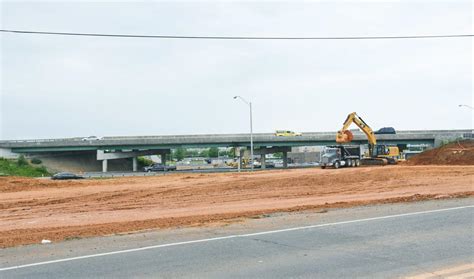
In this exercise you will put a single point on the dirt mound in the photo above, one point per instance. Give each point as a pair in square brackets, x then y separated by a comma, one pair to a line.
[458, 153]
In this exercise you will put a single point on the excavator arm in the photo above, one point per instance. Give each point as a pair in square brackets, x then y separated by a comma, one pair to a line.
[344, 135]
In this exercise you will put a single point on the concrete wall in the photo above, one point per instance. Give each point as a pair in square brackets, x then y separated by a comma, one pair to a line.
[6, 153]
[81, 162]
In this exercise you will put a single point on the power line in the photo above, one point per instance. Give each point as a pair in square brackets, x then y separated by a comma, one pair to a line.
[233, 37]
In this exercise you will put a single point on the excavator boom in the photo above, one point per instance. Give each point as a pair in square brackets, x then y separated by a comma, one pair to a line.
[344, 135]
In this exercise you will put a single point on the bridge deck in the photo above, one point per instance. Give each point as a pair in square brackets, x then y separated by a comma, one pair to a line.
[223, 140]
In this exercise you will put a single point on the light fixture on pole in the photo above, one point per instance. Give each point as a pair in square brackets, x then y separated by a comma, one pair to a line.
[251, 129]
[467, 106]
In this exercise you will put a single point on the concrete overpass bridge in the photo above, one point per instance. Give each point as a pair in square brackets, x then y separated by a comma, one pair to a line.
[119, 148]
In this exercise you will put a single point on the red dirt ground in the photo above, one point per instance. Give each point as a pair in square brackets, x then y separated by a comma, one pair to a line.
[36, 209]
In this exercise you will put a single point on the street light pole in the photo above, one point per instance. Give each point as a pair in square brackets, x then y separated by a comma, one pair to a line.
[251, 137]
[251, 129]
[467, 106]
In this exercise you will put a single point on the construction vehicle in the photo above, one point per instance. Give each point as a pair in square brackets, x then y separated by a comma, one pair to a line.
[378, 154]
[340, 156]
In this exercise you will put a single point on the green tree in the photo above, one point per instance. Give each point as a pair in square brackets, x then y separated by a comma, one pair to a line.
[179, 153]
[278, 155]
[204, 153]
[192, 153]
[143, 162]
[213, 152]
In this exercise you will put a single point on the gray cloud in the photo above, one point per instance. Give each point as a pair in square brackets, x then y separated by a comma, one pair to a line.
[73, 86]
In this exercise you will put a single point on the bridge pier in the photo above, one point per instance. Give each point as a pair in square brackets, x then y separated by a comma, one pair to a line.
[134, 164]
[163, 158]
[104, 165]
[262, 161]
[285, 159]
[241, 158]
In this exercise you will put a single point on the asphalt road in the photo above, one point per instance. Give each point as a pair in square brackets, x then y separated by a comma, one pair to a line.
[378, 242]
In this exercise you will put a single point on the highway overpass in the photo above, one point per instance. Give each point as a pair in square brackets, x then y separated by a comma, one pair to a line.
[114, 148]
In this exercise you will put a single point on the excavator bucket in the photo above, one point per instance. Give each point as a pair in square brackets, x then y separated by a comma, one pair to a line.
[344, 136]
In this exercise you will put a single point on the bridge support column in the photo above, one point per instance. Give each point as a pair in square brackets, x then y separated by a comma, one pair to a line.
[285, 159]
[104, 165]
[239, 160]
[262, 161]
[163, 158]
[135, 164]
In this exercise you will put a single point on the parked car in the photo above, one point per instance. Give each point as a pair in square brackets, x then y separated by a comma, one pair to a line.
[91, 138]
[283, 133]
[385, 130]
[66, 175]
[268, 165]
[159, 167]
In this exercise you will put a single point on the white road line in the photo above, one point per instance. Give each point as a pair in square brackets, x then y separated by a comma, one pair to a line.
[462, 271]
[233, 236]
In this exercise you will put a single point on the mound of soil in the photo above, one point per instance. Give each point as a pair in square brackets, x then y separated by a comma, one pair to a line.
[458, 153]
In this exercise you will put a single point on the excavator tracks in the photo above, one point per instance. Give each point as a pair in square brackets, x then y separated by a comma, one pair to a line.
[374, 162]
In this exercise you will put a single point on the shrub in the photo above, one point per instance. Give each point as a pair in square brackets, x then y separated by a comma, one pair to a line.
[22, 161]
[21, 167]
[143, 162]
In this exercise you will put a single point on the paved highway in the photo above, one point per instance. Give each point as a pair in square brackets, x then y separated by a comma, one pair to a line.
[378, 242]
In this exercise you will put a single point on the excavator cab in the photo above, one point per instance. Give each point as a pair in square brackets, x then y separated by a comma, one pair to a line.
[390, 153]
[382, 150]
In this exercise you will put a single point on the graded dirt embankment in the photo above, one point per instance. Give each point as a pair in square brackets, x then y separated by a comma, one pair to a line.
[34, 209]
[456, 153]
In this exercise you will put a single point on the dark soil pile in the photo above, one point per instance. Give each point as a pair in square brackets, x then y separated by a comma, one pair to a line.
[457, 153]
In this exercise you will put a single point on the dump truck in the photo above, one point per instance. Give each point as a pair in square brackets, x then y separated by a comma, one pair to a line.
[340, 156]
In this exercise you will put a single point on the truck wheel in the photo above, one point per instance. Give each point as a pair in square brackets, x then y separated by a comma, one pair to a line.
[337, 165]
[353, 163]
[357, 163]
[349, 163]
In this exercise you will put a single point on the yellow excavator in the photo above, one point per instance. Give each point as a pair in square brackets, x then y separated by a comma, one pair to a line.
[378, 154]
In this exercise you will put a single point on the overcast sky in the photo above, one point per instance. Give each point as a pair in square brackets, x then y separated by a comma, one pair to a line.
[53, 86]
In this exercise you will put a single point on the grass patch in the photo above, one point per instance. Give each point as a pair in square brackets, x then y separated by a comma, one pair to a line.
[21, 167]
